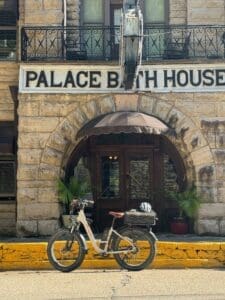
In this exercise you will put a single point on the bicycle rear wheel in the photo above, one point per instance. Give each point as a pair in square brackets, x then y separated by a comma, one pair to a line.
[144, 253]
[65, 250]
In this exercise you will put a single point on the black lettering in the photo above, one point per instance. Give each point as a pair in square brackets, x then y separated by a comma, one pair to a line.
[42, 79]
[196, 81]
[53, 84]
[148, 78]
[85, 82]
[220, 80]
[30, 76]
[182, 78]
[69, 79]
[112, 79]
[94, 79]
[209, 80]
[168, 78]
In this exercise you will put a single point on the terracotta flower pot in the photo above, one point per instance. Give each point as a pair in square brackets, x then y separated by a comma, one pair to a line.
[179, 226]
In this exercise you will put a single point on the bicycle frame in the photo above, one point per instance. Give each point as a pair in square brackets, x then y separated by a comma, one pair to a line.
[81, 218]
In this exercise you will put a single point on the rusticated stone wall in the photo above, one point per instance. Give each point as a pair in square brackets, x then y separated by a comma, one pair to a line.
[47, 129]
[206, 12]
[43, 12]
[177, 12]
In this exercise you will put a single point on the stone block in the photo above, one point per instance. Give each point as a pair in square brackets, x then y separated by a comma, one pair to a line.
[220, 172]
[222, 227]
[68, 130]
[52, 157]
[208, 227]
[47, 227]
[106, 105]
[37, 211]
[27, 228]
[52, 4]
[219, 156]
[29, 156]
[27, 172]
[57, 142]
[26, 195]
[53, 17]
[38, 124]
[161, 109]
[90, 109]
[202, 156]
[47, 172]
[28, 109]
[211, 210]
[34, 140]
[48, 194]
[34, 5]
[56, 108]
[125, 102]
[146, 104]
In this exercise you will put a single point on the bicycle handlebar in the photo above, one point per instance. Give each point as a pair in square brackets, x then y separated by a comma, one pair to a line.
[78, 203]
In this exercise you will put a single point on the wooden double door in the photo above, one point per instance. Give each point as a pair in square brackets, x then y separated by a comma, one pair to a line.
[123, 178]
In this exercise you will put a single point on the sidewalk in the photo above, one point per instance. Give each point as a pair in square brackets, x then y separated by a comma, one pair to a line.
[173, 251]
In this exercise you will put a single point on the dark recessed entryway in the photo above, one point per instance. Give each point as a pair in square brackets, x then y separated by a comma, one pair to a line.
[126, 169]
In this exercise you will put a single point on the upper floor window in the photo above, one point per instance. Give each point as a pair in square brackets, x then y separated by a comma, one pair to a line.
[154, 11]
[93, 12]
[8, 18]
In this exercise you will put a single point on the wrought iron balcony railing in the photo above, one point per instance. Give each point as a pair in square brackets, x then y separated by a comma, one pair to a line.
[102, 43]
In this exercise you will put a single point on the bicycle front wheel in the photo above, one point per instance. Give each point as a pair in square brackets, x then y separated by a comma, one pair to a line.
[144, 249]
[65, 250]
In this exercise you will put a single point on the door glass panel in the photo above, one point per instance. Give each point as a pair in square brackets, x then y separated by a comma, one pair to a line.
[139, 179]
[93, 11]
[110, 176]
[154, 11]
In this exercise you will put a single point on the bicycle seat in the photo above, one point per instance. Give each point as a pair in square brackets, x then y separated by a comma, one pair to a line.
[116, 214]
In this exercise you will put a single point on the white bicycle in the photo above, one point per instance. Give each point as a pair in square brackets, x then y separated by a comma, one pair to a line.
[133, 245]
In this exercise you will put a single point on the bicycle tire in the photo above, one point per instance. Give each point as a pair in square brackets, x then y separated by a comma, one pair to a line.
[144, 254]
[65, 250]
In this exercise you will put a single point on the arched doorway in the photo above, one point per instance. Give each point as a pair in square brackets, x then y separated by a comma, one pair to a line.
[126, 169]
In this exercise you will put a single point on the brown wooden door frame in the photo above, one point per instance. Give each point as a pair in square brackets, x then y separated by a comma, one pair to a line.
[124, 153]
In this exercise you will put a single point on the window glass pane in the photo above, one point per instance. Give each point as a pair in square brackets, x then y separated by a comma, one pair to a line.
[110, 176]
[154, 11]
[8, 12]
[93, 11]
[7, 179]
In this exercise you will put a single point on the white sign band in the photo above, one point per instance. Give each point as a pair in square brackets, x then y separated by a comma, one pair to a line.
[107, 79]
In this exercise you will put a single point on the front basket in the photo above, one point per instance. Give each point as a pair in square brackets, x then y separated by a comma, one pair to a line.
[140, 218]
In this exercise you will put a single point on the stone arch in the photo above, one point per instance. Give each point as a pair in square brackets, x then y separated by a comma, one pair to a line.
[190, 142]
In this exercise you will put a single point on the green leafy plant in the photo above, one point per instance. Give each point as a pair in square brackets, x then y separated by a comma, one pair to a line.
[74, 188]
[188, 202]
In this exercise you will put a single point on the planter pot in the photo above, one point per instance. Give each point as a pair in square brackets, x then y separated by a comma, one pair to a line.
[66, 220]
[179, 226]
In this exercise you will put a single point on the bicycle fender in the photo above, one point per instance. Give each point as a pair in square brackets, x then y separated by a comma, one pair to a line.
[84, 242]
[153, 235]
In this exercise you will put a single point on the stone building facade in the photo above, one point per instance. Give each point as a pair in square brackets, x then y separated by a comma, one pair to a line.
[47, 123]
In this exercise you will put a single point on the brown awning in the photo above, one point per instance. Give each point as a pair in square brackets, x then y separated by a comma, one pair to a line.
[123, 122]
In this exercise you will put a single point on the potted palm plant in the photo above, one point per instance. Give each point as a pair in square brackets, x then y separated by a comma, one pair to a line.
[67, 191]
[188, 203]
